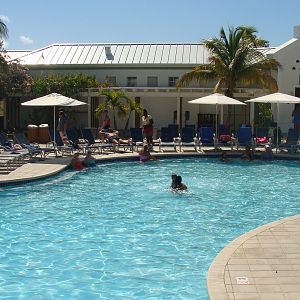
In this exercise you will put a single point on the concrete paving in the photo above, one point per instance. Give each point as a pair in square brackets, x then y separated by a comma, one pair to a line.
[259, 265]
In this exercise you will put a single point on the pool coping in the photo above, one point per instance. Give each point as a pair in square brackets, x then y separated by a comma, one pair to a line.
[216, 275]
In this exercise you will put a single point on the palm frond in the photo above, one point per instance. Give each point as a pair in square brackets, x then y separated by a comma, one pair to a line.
[198, 74]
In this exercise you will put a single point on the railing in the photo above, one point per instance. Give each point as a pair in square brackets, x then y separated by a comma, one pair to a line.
[239, 92]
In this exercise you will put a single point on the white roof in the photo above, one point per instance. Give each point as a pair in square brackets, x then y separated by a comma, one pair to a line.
[15, 54]
[119, 53]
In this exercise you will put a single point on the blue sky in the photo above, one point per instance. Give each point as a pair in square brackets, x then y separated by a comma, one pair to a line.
[34, 24]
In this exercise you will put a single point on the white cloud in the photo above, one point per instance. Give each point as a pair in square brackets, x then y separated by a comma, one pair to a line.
[25, 40]
[5, 19]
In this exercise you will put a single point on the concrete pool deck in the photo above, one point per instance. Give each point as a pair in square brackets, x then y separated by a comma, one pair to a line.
[261, 264]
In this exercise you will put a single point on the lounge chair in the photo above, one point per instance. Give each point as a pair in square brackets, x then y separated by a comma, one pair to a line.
[33, 149]
[291, 143]
[137, 137]
[59, 145]
[206, 137]
[87, 135]
[167, 138]
[244, 137]
[75, 141]
[224, 136]
[187, 138]
[261, 136]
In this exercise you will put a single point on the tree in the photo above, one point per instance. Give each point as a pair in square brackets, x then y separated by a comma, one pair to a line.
[68, 85]
[3, 30]
[15, 80]
[3, 56]
[113, 100]
[235, 60]
[132, 106]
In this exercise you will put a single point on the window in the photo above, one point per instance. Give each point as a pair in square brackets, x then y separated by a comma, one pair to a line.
[172, 81]
[112, 80]
[152, 81]
[131, 81]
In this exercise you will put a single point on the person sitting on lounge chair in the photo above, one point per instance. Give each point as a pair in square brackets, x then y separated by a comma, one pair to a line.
[112, 136]
[76, 163]
[89, 160]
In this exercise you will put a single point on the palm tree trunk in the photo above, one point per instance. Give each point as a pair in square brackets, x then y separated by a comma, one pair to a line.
[229, 93]
[127, 122]
[115, 121]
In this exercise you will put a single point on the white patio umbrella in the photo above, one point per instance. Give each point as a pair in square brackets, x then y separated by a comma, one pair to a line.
[54, 100]
[216, 99]
[277, 98]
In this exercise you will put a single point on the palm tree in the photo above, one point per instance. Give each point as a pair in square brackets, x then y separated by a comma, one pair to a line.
[132, 106]
[3, 36]
[113, 101]
[235, 60]
[3, 30]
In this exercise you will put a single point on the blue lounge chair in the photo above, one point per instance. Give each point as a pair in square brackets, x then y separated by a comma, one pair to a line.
[33, 149]
[81, 145]
[167, 138]
[188, 138]
[137, 137]
[244, 137]
[291, 143]
[174, 130]
[206, 137]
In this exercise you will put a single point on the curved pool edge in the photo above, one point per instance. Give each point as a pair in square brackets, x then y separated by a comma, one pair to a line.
[52, 166]
[220, 282]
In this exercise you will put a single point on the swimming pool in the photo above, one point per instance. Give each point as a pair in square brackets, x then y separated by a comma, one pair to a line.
[118, 232]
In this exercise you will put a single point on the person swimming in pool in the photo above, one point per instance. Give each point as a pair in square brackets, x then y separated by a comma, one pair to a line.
[89, 160]
[145, 154]
[177, 184]
[76, 163]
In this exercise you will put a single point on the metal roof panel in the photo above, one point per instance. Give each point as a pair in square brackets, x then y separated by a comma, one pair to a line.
[83, 55]
[158, 54]
[151, 55]
[90, 55]
[144, 56]
[77, 55]
[131, 54]
[70, 55]
[64, 55]
[123, 57]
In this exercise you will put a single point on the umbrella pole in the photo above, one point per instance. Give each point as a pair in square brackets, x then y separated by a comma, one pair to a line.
[216, 124]
[277, 128]
[54, 126]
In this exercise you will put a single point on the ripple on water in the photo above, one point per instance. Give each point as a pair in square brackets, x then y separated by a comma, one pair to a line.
[118, 232]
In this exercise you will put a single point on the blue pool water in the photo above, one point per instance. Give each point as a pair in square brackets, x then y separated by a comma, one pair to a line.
[118, 232]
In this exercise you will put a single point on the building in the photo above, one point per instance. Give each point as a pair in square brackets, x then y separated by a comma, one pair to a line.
[148, 73]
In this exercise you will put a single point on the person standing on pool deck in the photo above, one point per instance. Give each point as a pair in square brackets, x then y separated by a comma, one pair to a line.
[147, 123]
[106, 121]
[62, 124]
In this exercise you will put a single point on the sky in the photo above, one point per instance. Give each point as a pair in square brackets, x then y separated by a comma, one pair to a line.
[33, 24]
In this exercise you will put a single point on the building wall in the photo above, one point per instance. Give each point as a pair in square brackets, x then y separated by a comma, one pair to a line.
[121, 74]
[287, 80]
